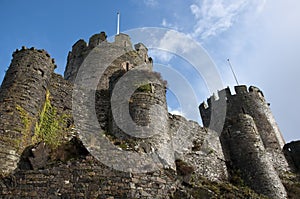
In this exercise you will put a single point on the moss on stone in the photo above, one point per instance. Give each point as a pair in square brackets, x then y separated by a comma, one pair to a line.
[26, 119]
[50, 126]
[146, 88]
[123, 146]
[26, 130]
[204, 188]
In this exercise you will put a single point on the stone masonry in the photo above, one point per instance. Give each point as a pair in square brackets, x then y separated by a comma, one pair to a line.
[192, 161]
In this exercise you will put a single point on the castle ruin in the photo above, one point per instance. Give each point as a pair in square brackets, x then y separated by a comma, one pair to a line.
[44, 154]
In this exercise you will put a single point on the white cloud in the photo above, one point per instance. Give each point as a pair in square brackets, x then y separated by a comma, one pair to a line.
[260, 37]
[167, 24]
[164, 23]
[216, 16]
[160, 55]
[273, 61]
[178, 42]
[171, 42]
[263, 45]
[176, 111]
[151, 3]
[196, 11]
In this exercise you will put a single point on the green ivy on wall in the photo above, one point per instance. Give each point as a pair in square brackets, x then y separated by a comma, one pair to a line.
[50, 127]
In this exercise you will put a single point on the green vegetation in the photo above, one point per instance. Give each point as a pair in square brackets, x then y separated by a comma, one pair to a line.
[144, 88]
[204, 188]
[26, 120]
[50, 126]
[26, 130]
[236, 178]
[123, 146]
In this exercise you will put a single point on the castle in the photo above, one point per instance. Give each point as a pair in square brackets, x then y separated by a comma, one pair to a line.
[49, 148]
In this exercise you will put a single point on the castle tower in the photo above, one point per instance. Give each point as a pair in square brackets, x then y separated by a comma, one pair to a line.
[147, 105]
[122, 40]
[79, 52]
[123, 58]
[248, 156]
[147, 123]
[253, 103]
[22, 96]
[142, 50]
[81, 49]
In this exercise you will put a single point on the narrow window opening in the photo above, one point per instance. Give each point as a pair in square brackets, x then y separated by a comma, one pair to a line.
[243, 110]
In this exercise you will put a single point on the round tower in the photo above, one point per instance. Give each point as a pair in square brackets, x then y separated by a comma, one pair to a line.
[79, 52]
[253, 103]
[75, 59]
[140, 115]
[248, 156]
[22, 96]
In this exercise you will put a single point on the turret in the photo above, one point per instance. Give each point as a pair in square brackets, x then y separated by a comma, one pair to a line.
[123, 40]
[143, 52]
[253, 103]
[121, 56]
[96, 39]
[22, 96]
[250, 138]
[75, 59]
[141, 116]
[81, 49]
[249, 159]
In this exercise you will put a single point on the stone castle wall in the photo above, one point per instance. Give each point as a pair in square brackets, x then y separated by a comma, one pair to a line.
[253, 103]
[82, 176]
[198, 147]
[85, 177]
[22, 96]
[249, 157]
[250, 141]
[143, 116]
[111, 58]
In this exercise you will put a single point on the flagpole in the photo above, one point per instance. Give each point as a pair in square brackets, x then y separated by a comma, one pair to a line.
[118, 23]
[233, 72]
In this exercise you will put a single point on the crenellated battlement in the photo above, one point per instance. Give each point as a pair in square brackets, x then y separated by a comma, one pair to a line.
[96, 39]
[251, 102]
[246, 101]
[81, 49]
[226, 94]
[24, 48]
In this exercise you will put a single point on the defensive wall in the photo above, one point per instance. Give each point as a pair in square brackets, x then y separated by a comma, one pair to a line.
[249, 145]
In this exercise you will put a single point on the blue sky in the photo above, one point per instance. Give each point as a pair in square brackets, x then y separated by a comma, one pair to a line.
[261, 38]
